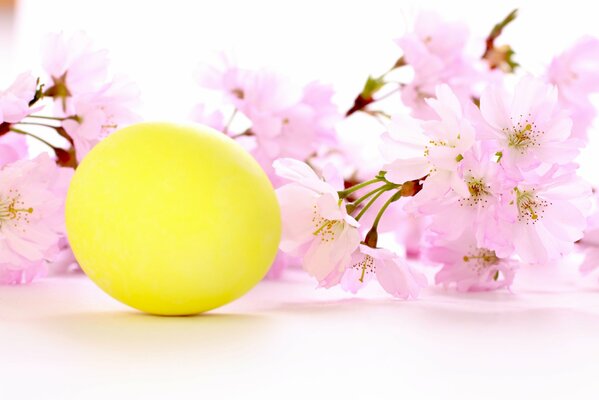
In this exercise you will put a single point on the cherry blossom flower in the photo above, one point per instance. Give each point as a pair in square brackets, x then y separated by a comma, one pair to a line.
[14, 101]
[282, 119]
[469, 267]
[435, 49]
[392, 272]
[32, 196]
[74, 66]
[476, 211]
[575, 73]
[299, 129]
[528, 126]
[316, 225]
[246, 88]
[433, 148]
[24, 273]
[98, 114]
[543, 216]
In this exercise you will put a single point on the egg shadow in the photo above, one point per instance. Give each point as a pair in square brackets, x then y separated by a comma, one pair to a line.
[139, 335]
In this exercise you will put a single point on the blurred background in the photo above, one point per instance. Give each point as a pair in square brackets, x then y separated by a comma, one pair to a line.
[161, 43]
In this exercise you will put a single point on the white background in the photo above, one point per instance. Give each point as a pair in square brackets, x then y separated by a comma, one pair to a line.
[63, 338]
[160, 43]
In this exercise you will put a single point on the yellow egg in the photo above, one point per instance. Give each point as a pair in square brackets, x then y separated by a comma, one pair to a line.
[172, 219]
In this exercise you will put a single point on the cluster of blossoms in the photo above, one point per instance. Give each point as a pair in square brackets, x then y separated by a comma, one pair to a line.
[69, 110]
[478, 179]
[486, 171]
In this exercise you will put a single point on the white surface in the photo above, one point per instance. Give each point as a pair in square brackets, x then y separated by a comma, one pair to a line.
[65, 339]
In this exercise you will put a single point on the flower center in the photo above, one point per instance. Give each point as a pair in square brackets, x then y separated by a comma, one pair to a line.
[239, 93]
[366, 265]
[530, 206]
[479, 191]
[523, 135]
[12, 209]
[324, 228]
[481, 259]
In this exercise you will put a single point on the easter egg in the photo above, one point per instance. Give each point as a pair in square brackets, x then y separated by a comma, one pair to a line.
[172, 219]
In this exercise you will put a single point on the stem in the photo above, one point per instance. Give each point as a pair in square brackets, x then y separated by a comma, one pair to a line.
[372, 236]
[45, 117]
[497, 31]
[392, 92]
[371, 202]
[344, 193]
[226, 128]
[393, 198]
[367, 195]
[377, 114]
[247, 132]
[16, 130]
[35, 123]
[372, 86]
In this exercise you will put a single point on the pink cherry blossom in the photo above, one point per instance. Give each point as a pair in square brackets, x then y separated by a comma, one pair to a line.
[265, 93]
[297, 131]
[434, 148]
[435, 49]
[392, 272]
[316, 225]
[74, 66]
[32, 196]
[476, 211]
[431, 34]
[528, 126]
[281, 118]
[575, 72]
[24, 273]
[469, 267]
[543, 216]
[98, 114]
[14, 101]
[259, 93]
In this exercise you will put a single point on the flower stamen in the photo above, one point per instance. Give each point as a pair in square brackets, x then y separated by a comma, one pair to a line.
[324, 227]
[366, 265]
[530, 206]
[481, 259]
[12, 208]
[523, 135]
[479, 191]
